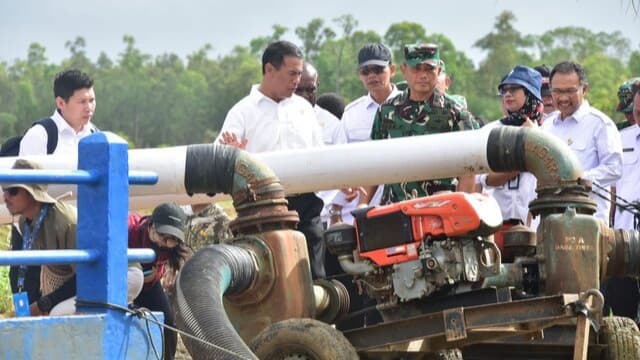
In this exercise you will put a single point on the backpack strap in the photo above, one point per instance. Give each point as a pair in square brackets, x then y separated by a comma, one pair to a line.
[52, 133]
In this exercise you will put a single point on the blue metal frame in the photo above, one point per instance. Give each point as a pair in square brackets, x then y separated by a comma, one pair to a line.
[101, 259]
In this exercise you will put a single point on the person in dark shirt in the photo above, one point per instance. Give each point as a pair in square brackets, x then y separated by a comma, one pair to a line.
[163, 232]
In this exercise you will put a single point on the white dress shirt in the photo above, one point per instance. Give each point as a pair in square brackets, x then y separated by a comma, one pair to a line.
[358, 116]
[273, 126]
[35, 140]
[330, 126]
[356, 124]
[627, 187]
[594, 139]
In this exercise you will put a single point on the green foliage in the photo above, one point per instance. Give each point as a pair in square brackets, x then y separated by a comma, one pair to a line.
[604, 76]
[166, 100]
[5, 287]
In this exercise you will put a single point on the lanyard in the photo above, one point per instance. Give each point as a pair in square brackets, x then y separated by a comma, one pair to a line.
[27, 241]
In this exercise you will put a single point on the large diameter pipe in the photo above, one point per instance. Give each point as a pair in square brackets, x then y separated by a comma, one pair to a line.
[365, 163]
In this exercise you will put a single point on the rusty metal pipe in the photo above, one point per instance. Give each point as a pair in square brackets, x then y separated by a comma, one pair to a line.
[251, 270]
[258, 196]
[623, 253]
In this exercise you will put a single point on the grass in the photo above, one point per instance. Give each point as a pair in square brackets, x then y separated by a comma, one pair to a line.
[6, 304]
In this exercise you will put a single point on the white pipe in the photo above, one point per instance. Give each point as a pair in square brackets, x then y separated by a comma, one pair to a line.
[332, 167]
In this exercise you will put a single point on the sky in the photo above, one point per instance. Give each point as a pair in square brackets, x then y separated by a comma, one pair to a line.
[183, 27]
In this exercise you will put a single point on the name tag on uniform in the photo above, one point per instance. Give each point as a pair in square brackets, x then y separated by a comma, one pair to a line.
[21, 304]
[627, 150]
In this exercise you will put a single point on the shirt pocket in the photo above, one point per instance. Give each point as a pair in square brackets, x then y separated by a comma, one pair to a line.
[359, 133]
[629, 158]
[581, 148]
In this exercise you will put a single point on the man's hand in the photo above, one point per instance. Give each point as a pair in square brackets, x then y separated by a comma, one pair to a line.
[169, 280]
[351, 193]
[35, 310]
[230, 139]
[529, 123]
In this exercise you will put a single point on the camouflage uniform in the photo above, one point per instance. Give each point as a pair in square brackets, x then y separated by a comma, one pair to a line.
[625, 100]
[209, 226]
[401, 116]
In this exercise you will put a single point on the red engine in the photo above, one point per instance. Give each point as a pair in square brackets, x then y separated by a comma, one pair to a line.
[393, 233]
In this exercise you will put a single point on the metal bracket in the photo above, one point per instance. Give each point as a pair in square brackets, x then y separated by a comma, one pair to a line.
[454, 325]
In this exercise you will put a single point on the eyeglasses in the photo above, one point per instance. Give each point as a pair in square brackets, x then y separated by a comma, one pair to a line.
[12, 191]
[376, 69]
[511, 89]
[567, 91]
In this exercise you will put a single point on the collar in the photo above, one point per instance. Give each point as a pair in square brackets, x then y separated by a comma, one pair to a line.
[63, 125]
[436, 100]
[370, 102]
[578, 115]
[258, 96]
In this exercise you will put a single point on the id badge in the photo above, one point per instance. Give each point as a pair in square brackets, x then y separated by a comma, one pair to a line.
[21, 304]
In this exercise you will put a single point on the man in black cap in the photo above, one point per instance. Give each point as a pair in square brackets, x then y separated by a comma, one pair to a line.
[376, 68]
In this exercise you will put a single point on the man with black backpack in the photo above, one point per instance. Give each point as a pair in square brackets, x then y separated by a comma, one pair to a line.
[60, 134]
[71, 121]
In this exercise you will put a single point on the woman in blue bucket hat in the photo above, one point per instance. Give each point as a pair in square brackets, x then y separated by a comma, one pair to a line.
[522, 106]
[521, 99]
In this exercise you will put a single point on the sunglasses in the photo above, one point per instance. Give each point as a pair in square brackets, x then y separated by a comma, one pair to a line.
[511, 89]
[420, 52]
[12, 191]
[376, 69]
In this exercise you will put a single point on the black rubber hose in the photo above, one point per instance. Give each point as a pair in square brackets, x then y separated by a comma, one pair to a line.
[203, 281]
[511, 148]
[209, 169]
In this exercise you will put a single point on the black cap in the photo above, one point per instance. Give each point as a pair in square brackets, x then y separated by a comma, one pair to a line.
[374, 54]
[545, 72]
[168, 218]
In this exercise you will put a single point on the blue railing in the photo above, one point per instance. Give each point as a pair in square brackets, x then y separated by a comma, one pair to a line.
[101, 257]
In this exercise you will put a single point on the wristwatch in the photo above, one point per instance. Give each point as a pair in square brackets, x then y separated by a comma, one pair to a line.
[335, 212]
[44, 304]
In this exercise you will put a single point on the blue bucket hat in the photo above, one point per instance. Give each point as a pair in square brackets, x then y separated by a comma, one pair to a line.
[526, 77]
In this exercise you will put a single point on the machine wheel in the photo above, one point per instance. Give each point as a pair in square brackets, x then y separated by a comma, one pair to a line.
[622, 338]
[615, 323]
[302, 339]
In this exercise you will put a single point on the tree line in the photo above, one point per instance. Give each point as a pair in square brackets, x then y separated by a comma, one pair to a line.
[165, 100]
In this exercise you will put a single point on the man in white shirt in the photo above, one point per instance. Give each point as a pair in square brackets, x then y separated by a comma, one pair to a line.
[75, 106]
[273, 118]
[375, 69]
[627, 186]
[591, 134]
[622, 293]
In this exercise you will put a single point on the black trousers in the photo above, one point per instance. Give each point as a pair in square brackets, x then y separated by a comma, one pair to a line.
[155, 299]
[309, 207]
[621, 296]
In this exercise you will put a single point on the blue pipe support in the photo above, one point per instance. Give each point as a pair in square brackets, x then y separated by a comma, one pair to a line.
[63, 257]
[16, 176]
